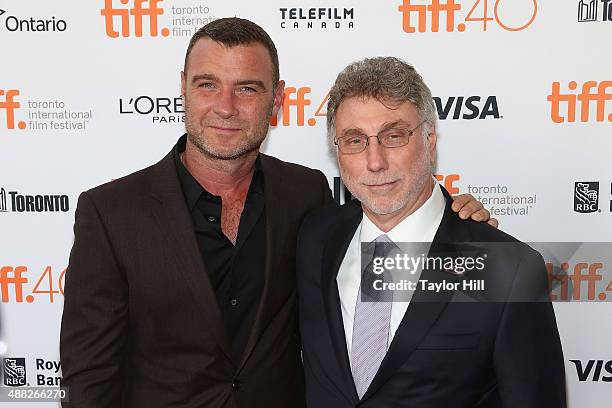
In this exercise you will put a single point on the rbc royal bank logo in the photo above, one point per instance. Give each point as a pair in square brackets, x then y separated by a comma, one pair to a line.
[14, 372]
[586, 196]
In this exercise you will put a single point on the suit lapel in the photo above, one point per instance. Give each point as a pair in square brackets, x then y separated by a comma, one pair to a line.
[333, 254]
[276, 273]
[170, 212]
[422, 313]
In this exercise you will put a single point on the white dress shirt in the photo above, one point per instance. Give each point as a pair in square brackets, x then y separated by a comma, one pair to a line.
[420, 226]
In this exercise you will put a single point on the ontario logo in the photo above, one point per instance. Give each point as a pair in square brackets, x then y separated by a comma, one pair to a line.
[586, 197]
[14, 372]
[33, 24]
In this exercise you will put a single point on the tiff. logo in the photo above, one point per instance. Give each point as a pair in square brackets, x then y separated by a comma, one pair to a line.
[12, 277]
[138, 11]
[585, 97]
[10, 105]
[435, 9]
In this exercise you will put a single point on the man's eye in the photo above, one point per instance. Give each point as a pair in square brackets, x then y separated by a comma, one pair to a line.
[353, 140]
[207, 85]
[247, 90]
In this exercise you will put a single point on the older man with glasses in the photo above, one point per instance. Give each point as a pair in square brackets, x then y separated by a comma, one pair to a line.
[435, 348]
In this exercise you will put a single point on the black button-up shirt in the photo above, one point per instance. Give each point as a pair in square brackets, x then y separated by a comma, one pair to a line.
[236, 273]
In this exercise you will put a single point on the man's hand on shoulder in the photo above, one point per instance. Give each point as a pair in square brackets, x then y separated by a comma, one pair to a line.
[468, 207]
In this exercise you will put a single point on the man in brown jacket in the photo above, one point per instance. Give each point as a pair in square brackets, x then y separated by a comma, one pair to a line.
[180, 290]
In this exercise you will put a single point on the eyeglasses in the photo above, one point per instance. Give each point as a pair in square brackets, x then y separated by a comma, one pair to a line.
[390, 138]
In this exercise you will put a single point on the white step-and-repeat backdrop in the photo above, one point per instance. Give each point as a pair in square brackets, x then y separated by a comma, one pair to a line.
[89, 92]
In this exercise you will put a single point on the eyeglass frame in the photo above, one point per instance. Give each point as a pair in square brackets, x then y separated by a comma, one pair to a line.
[377, 136]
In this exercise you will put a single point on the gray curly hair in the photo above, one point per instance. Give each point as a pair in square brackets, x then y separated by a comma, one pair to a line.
[387, 79]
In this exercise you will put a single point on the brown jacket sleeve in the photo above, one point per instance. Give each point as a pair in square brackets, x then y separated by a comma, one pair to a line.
[95, 319]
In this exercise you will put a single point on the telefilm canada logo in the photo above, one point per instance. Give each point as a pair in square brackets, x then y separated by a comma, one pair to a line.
[307, 18]
[36, 24]
[13, 201]
[589, 11]
[14, 370]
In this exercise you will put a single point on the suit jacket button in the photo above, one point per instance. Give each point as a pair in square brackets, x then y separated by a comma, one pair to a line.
[236, 385]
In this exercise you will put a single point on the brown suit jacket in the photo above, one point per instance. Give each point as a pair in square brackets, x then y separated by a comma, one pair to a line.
[141, 326]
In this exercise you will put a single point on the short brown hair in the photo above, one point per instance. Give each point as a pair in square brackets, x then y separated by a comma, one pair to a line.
[233, 31]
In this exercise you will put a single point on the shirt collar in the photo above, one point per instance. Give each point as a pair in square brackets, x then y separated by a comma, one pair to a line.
[420, 226]
[192, 190]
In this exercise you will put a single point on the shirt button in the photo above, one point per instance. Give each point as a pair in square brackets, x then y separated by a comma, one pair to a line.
[211, 219]
[236, 385]
[234, 302]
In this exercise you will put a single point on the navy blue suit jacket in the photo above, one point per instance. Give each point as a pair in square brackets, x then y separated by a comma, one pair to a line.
[444, 354]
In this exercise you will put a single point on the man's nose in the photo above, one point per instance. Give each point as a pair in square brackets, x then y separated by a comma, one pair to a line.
[225, 104]
[376, 155]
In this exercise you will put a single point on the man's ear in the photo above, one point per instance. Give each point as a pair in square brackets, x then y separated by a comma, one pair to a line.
[432, 139]
[279, 96]
[183, 80]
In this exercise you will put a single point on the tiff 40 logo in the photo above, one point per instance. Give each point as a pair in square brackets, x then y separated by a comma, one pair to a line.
[15, 285]
[120, 17]
[428, 15]
[295, 101]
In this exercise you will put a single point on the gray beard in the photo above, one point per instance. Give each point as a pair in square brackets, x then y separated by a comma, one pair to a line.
[420, 175]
